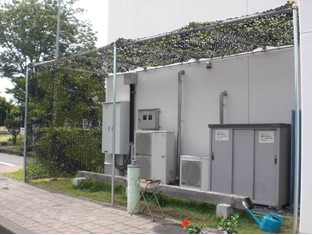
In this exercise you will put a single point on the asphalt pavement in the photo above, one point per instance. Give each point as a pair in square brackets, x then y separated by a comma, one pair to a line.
[11, 160]
[10, 163]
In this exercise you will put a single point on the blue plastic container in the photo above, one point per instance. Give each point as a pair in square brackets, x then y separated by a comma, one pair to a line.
[272, 222]
[269, 223]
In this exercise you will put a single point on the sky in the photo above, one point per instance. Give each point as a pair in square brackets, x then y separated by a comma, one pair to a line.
[96, 11]
[97, 14]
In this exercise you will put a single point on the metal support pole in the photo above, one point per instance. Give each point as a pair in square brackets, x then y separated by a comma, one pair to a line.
[55, 89]
[25, 124]
[114, 124]
[297, 117]
[58, 31]
[179, 121]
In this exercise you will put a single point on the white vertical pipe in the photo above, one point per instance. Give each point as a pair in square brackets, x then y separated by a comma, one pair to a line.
[222, 95]
[297, 116]
[114, 124]
[25, 124]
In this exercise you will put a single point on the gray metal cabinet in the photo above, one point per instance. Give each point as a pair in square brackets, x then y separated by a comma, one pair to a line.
[251, 160]
[121, 127]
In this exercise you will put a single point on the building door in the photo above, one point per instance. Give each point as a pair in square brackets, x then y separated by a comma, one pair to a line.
[221, 160]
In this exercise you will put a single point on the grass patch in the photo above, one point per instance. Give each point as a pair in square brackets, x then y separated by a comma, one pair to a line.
[90, 189]
[5, 137]
[8, 138]
[18, 175]
[179, 209]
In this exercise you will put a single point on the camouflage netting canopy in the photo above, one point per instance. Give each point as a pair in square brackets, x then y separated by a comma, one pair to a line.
[272, 28]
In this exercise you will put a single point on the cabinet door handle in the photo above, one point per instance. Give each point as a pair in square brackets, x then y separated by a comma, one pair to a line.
[275, 159]
[212, 156]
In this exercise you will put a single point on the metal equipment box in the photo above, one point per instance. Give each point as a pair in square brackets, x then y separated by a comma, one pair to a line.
[121, 126]
[251, 160]
[194, 172]
[154, 152]
[148, 119]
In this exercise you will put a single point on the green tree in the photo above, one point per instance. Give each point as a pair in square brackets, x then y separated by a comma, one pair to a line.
[14, 121]
[28, 35]
[5, 108]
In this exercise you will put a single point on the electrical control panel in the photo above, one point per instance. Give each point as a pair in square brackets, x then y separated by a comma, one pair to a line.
[148, 119]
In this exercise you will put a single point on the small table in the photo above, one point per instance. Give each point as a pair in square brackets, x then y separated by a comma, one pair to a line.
[150, 186]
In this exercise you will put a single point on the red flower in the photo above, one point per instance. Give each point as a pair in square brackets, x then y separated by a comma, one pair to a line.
[185, 223]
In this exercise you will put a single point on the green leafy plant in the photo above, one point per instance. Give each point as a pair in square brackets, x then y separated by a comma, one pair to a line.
[229, 225]
[191, 228]
[63, 151]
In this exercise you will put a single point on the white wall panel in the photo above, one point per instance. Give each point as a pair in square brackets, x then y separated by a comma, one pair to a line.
[122, 91]
[158, 89]
[259, 90]
[271, 85]
[142, 18]
[201, 90]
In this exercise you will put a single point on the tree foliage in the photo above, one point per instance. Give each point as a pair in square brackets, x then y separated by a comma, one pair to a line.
[77, 99]
[65, 150]
[28, 35]
[14, 120]
[5, 108]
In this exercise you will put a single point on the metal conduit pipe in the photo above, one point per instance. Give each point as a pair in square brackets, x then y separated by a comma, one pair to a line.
[179, 120]
[297, 143]
[222, 95]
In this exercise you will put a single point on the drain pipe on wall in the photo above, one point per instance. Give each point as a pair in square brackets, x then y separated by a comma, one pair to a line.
[297, 91]
[179, 120]
[131, 80]
[222, 95]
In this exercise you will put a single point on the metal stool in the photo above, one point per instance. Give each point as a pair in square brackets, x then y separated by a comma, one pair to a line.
[150, 186]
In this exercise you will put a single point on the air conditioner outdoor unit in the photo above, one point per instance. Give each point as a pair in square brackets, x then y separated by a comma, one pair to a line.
[194, 172]
[154, 152]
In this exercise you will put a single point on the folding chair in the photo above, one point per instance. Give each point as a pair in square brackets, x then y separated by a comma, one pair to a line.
[150, 186]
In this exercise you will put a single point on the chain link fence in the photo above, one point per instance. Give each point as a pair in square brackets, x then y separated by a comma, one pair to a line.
[64, 123]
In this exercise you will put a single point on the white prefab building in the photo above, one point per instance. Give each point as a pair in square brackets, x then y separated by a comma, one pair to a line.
[259, 86]
[141, 18]
[185, 98]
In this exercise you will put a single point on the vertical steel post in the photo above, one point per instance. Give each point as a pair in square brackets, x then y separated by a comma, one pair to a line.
[58, 31]
[25, 124]
[114, 124]
[57, 43]
[179, 121]
[297, 116]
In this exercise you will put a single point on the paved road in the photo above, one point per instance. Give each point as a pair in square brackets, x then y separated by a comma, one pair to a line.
[11, 160]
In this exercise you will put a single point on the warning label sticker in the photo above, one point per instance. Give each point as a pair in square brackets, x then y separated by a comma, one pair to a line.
[222, 135]
[266, 137]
